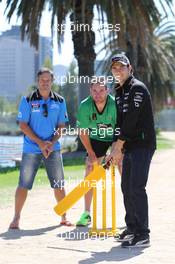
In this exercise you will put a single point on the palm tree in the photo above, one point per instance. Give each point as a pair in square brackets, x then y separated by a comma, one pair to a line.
[162, 62]
[136, 17]
[153, 60]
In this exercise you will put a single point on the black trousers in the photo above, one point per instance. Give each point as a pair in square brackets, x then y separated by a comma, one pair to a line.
[136, 165]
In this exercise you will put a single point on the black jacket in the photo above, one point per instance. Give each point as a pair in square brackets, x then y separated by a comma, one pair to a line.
[135, 121]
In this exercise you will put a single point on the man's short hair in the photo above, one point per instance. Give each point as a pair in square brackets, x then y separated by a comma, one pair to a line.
[45, 70]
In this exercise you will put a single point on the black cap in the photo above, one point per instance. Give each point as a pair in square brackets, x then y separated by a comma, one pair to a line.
[120, 58]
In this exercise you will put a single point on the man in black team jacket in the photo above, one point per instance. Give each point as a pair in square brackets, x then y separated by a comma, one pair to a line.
[134, 147]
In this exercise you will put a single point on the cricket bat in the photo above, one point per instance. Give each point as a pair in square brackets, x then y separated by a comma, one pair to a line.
[81, 189]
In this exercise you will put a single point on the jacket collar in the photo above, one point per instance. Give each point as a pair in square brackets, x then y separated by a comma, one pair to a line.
[127, 82]
[125, 85]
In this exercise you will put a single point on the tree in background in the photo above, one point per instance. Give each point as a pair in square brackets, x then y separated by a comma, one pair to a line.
[154, 64]
[137, 19]
[1, 104]
[7, 106]
[48, 63]
[162, 63]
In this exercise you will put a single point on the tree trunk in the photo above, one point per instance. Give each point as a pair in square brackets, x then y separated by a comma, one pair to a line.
[84, 42]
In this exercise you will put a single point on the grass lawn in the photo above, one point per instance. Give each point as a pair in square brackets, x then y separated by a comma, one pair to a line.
[164, 143]
[9, 177]
[9, 180]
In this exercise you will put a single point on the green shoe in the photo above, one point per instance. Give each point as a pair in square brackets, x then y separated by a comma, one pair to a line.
[85, 219]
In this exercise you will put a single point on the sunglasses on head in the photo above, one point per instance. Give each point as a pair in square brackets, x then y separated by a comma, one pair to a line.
[45, 110]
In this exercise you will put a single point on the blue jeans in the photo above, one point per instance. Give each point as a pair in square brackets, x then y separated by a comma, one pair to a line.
[30, 164]
[136, 165]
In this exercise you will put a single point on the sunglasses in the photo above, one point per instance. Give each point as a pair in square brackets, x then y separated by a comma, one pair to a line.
[45, 110]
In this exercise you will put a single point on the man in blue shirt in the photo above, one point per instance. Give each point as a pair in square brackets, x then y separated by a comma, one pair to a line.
[41, 117]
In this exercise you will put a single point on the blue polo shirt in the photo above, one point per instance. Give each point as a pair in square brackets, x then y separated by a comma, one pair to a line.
[32, 113]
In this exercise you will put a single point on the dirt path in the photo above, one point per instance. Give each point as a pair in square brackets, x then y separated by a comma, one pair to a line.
[42, 240]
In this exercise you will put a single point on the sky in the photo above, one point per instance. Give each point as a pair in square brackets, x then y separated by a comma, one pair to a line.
[66, 56]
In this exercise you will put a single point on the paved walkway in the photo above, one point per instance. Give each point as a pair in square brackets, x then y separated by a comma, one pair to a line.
[42, 240]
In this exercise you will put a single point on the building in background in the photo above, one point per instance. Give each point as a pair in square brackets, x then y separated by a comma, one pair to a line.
[19, 62]
[45, 50]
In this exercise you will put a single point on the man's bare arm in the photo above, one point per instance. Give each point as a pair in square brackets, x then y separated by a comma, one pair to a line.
[58, 133]
[87, 144]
